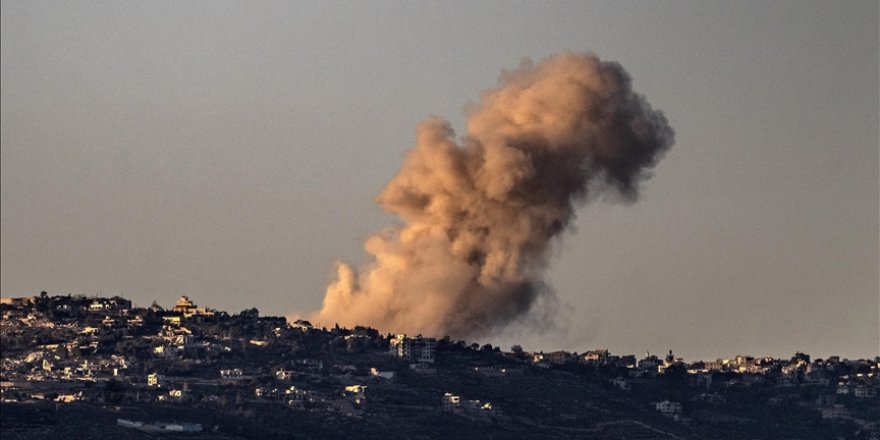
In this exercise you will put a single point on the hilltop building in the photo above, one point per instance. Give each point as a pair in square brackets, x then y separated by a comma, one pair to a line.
[417, 349]
[186, 308]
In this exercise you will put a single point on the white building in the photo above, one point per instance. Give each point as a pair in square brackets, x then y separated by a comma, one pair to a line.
[668, 408]
[231, 373]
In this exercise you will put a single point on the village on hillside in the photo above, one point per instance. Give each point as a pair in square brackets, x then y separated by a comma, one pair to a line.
[74, 364]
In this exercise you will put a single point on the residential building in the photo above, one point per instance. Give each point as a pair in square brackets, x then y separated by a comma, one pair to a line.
[864, 391]
[417, 349]
[187, 308]
[668, 408]
[155, 380]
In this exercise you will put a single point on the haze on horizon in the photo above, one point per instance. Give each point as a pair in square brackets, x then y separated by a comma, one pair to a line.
[231, 152]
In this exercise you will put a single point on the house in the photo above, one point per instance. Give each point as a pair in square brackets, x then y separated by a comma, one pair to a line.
[231, 374]
[298, 398]
[99, 305]
[417, 349]
[864, 391]
[310, 365]
[116, 305]
[387, 375]
[650, 362]
[186, 308]
[450, 402]
[183, 306]
[668, 408]
[357, 393]
[836, 411]
[268, 393]
[155, 380]
[716, 365]
[284, 375]
[559, 357]
[594, 357]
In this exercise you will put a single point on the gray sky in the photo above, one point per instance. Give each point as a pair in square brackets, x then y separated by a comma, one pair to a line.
[231, 150]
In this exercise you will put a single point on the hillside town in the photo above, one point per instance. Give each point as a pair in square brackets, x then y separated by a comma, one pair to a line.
[79, 366]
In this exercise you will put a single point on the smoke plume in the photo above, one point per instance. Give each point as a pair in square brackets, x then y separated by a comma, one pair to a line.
[479, 214]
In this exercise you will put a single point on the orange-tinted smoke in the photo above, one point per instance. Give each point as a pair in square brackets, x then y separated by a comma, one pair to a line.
[479, 214]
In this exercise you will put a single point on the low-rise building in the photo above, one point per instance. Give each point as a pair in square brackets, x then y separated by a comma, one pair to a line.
[559, 357]
[298, 398]
[864, 391]
[155, 380]
[284, 375]
[594, 357]
[387, 375]
[417, 349]
[186, 308]
[450, 402]
[668, 408]
[231, 373]
[836, 411]
[357, 393]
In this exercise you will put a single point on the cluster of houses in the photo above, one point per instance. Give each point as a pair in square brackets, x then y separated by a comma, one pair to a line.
[169, 341]
[857, 378]
[739, 371]
[78, 340]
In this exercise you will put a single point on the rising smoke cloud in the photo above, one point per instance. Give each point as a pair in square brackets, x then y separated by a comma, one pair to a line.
[479, 215]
